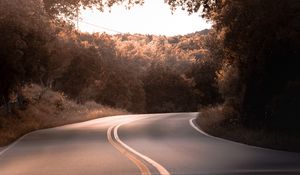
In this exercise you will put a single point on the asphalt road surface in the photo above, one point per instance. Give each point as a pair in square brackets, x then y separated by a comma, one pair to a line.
[154, 144]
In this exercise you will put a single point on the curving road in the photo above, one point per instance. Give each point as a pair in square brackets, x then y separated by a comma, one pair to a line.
[166, 144]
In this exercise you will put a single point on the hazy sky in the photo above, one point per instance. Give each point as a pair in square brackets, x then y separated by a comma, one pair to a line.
[154, 17]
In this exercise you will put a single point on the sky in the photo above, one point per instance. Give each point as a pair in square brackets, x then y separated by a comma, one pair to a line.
[154, 17]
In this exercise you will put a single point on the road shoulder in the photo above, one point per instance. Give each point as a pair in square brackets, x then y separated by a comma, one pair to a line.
[2, 148]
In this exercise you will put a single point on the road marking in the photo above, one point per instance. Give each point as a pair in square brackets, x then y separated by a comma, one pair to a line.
[2, 152]
[196, 127]
[129, 150]
[142, 167]
[13, 144]
[159, 167]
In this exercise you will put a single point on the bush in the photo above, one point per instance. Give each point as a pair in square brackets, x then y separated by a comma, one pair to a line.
[47, 108]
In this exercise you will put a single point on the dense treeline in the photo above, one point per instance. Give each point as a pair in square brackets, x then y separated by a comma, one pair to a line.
[140, 73]
[249, 60]
[259, 49]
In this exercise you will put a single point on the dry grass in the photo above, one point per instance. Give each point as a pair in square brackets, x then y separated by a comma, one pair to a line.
[212, 121]
[46, 109]
[210, 117]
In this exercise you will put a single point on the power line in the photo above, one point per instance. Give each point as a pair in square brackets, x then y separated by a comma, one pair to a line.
[101, 27]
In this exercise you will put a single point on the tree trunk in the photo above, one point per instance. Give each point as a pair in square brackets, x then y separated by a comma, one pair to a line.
[7, 104]
[20, 98]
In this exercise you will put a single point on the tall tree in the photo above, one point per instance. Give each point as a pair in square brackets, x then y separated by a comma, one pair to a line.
[24, 31]
[260, 40]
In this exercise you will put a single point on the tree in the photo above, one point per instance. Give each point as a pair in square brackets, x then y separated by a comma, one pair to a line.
[24, 31]
[61, 10]
[168, 91]
[84, 69]
[204, 74]
[259, 40]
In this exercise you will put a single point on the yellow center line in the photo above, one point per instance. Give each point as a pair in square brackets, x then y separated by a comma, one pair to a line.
[160, 168]
[142, 167]
[132, 154]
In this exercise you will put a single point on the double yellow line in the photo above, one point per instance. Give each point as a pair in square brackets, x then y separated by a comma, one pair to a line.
[130, 153]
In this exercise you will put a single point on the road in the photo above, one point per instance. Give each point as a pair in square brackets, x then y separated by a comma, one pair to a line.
[153, 144]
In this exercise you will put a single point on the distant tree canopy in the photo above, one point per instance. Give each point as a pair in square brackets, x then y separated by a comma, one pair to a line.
[136, 72]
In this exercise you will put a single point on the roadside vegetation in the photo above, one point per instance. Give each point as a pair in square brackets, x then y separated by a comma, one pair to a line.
[51, 74]
[258, 78]
[213, 121]
[46, 108]
[243, 74]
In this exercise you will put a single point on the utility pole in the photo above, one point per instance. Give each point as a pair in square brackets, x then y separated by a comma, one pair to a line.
[77, 16]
